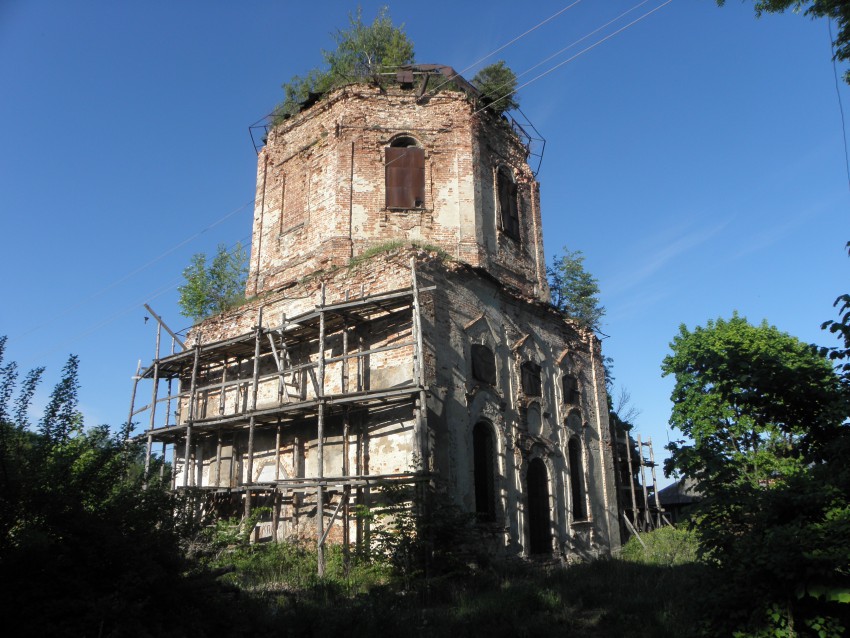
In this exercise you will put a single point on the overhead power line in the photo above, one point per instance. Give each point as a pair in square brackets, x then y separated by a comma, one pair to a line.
[583, 51]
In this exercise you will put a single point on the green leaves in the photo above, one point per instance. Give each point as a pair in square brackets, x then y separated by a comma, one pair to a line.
[756, 401]
[363, 52]
[497, 84]
[574, 290]
[215, 288]
[838, 10]
[763, 415]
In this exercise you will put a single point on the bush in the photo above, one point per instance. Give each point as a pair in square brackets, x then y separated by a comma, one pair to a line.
[666, 546]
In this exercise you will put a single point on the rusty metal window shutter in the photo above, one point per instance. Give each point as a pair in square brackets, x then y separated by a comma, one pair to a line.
[531, 383]
[405, 177]
[483, 364]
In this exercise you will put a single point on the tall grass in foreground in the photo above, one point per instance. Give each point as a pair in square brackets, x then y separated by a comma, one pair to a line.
[641, 596]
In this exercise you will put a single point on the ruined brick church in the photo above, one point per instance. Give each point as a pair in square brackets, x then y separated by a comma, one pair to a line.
[397, 330]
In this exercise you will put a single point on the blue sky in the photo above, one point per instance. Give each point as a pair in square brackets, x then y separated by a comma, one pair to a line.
[696, 158]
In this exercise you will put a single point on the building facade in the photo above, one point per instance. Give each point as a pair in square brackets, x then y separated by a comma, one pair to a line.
[397, 329]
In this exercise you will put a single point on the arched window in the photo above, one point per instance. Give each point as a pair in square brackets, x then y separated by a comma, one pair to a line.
[570, 388]
[508, 213]
[577, 480]
[404, 167]
[484, 470]
[539, 532]
[483, 364]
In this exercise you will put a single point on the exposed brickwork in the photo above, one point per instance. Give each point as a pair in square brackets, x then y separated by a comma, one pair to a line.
[320, 202]
[321, 199]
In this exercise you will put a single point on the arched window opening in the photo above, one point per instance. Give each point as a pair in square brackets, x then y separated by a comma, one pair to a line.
[539, 532]
[508, 212]
[570, 388]
[484, 470]
[483, 364]
[577, 481]
[404, 174]
[531, 383]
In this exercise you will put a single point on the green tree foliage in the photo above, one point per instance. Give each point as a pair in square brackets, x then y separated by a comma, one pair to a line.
[838, 10]
[86, 548]
[767, 445]
[497, 84]
[215, 288]
[363, 52]
[733, 399]
[574, 290]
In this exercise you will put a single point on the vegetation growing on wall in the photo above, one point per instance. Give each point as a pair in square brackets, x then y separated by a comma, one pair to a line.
[574, 290]
[211, 289]
[497, 84]
[363, 52]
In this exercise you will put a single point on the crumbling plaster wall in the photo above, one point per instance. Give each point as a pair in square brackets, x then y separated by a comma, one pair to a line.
[468, 308]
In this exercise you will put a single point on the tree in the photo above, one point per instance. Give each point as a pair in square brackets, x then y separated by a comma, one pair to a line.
[755, 402]
[767, 445]
[61, 418]
[215, 288]
[362, 52]
[838, 10]
[574, 290]
[87, 546]
[497, 84]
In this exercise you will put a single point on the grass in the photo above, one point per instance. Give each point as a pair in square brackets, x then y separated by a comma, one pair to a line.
[395, 244]
[641, 596]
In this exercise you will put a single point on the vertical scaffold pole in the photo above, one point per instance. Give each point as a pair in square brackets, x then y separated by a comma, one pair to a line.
[189, 421]
[276, 493]
[631, 479]
[249, 479]
[646, 517]
[152, 422]
[320, 496]
[419, 370]
[658, 508]
[136, 379]
[346, 433]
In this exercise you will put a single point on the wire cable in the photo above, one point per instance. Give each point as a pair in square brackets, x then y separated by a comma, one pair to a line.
[582, 52]
[504, 46]
[840, 106]
[569, 46]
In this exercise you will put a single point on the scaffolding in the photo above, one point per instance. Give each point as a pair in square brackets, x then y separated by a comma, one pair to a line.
[640, 509]
[300, 372]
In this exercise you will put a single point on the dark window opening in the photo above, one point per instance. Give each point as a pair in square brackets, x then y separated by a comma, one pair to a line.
[539, 534]
[508, 213]
[577, 481]
[531, 384]
[405, 174]
[571, 393]
[483, 364]
[484, 470]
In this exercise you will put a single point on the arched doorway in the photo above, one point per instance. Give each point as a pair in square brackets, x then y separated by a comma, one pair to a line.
[539, 532]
